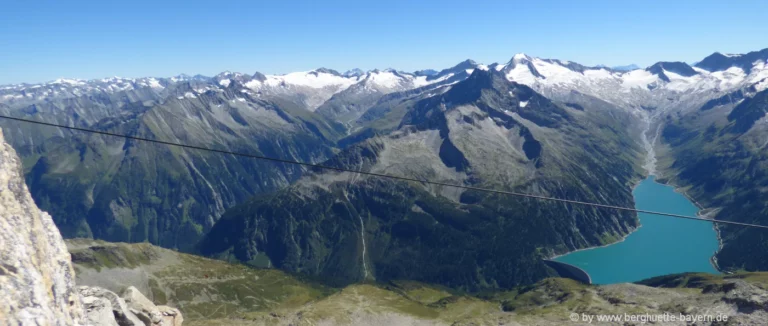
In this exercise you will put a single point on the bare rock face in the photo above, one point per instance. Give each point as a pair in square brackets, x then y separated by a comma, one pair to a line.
[98, 311]
[104, 307]
[37, 282]
[747, 297]
[171, 316]
[150, 314]
[119, 314]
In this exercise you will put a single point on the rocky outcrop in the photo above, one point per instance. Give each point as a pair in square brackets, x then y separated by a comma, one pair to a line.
[98, 311]
[150, 314]
[104, 307]
[37, 282]
[747, 297]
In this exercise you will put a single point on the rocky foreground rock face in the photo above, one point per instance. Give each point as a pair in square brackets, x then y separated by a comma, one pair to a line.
[37, 281]
[104, 307]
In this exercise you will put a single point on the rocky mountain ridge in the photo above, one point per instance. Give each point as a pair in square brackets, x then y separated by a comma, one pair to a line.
[716, 72]
[484, 131]
[124, 190]
[646, 95]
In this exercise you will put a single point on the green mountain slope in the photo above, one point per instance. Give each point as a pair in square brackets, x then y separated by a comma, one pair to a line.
[484, 131]
[124, 190]
[211, 292]
[719, 154]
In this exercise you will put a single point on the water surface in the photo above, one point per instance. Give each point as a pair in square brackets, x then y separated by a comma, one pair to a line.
[662, 245]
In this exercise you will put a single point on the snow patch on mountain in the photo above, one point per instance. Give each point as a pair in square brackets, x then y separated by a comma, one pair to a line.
[389, 81]
[66, 88]
[662, 83]
[385, 79]
[68, 81]
[312, 88]
[761, 86]
[520, 74]
[631, 89]
[311, 79]
[760, 77]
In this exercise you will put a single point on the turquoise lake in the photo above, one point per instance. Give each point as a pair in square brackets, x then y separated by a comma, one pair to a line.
[662, 245]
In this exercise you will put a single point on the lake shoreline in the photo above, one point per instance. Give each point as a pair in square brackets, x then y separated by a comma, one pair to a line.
[709, 211]
[622, 239]
[651, 172]
[713, 259]
[644, 255]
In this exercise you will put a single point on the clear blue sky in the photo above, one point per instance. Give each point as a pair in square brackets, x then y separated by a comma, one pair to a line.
[44, 40]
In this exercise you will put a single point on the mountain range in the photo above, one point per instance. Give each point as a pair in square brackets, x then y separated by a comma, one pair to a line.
[542, 126]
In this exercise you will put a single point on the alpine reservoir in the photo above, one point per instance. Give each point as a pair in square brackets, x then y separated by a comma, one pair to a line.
[662, 245]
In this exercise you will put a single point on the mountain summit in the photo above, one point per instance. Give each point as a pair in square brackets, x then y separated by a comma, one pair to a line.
[356, 228]
[720, 62]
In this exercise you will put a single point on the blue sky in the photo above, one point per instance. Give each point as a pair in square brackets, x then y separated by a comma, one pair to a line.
[45, 40]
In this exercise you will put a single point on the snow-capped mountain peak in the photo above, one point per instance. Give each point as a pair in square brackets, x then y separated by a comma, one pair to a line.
[663, 68]
[466, 64]
[720, 62]
[461, 70]
[519, 58]
[387, 80]
[22, 94]
[650, 87]
[322, 70]
[69, 81]
[309, 88]
[316, 79]
[715, 74]
[227, 77]
[680, 68]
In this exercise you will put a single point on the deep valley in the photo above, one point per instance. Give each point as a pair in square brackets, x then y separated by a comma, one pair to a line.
[539, 126]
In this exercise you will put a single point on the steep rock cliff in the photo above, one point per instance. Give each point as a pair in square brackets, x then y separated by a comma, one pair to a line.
[37, 282]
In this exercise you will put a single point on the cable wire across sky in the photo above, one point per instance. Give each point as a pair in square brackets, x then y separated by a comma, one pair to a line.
[381, 175]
